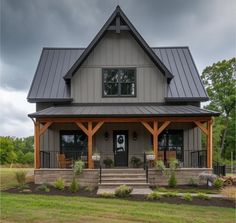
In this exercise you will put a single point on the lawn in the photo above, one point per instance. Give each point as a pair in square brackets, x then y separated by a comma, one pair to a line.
[43, 208]
[8, 177]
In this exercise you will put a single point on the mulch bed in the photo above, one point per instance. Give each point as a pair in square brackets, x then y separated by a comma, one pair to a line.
[83, 192]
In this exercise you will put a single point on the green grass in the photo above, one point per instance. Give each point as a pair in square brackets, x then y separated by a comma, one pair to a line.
[8, 179]
[188, 190]
[42, 208]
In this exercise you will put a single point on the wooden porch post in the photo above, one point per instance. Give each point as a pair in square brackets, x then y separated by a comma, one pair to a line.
[90, 145]
[37, 144]
[155, 138]
[209, 144]
[90, 131]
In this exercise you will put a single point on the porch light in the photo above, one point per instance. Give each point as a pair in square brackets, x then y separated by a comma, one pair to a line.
[106, 136]
[135, 136]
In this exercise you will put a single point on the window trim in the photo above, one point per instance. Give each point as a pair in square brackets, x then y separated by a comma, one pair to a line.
[119, 83]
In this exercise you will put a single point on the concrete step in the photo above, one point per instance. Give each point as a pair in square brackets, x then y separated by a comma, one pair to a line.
[127, 171]
[117, 184]
[124, 175]
[139, 191]
[121, 179]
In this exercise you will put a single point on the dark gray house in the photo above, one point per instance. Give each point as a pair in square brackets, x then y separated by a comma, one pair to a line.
[120, 98]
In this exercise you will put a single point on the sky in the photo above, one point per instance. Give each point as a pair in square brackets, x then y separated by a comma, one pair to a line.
[208, 27]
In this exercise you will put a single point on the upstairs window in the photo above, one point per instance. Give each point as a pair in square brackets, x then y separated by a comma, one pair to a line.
[119, 82]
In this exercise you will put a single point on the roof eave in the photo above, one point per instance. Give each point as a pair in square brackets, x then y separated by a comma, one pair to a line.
[35, 100]
[187, 99]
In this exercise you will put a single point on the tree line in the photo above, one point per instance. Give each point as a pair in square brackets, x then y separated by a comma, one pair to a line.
[16, 150]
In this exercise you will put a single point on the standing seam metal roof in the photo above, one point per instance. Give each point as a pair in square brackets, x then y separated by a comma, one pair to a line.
[123, 110]
[48, 83]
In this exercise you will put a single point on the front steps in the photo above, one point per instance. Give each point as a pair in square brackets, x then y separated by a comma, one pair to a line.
[113, 178]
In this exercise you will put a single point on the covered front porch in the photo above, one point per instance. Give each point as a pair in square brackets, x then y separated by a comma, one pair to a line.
[140, 134]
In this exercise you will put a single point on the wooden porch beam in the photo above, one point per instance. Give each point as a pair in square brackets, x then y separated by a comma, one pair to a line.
[82, 127]
[97, 127]
[200, 125]
[37, 145]
[148, 127]
[163, 126]
[45, 127]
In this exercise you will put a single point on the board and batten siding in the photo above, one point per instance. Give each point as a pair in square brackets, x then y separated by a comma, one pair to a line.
[50, 140]
[118, 50]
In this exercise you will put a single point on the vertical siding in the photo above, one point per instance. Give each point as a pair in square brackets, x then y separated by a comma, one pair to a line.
[50, 141]
[117, 51]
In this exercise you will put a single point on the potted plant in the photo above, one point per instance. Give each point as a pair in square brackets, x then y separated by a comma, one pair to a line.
[150, 155]
[96, 156]
[136, 162]
[108, 162]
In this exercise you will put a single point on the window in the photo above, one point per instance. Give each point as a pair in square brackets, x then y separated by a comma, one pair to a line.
[171, 140]
[73, 143]
[119, 82]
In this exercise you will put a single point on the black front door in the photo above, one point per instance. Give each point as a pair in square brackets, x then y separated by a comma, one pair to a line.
[120, 147]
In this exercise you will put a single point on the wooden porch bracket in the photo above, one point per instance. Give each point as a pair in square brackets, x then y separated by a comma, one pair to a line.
[163, 126]
[200, 125]
[45, 127]
[148, 127]
[90, 131]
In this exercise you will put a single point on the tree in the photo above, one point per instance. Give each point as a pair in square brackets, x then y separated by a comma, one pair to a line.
[220, 82]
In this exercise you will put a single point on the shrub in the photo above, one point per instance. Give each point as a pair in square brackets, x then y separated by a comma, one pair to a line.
[192, 182]
[123, 191]
[229, 193]
[21, 177]
[159, 165]
[170, 194]
[78, 166]
[107, 195]
[59, 184]
[43, 187]
[108, 162]
[218, 183]
[187, 197]
[161, 189]
[172, 182]
[135, 161]
[203, 196]
[154, 196]
[74, 186]
[29, 158]
[89, 188]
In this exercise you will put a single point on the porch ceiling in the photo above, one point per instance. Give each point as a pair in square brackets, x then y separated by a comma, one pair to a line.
[123, 111]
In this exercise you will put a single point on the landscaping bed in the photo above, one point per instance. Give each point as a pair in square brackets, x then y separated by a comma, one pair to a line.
[92, 192]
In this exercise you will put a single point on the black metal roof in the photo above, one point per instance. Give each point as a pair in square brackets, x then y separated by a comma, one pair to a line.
[121, 15]
[113, 110]
[48, 83]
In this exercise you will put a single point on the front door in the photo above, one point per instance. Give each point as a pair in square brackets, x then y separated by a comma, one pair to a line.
[120, 147]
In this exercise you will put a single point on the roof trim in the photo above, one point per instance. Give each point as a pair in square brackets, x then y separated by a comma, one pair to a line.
[135, 34]
[187, 99]
[33, 100]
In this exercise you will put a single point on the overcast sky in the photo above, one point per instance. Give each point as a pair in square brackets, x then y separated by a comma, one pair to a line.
[206, 26]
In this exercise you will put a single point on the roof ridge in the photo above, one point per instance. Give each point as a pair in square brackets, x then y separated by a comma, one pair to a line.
[166, 47]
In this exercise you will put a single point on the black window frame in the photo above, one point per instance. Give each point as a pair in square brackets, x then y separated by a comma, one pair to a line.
[74, 149]
[119, 95]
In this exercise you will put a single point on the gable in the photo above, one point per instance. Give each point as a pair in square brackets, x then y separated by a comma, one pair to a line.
[118, 51]
[118, 22]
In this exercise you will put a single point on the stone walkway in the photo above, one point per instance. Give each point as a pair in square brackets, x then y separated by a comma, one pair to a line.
[136, 191]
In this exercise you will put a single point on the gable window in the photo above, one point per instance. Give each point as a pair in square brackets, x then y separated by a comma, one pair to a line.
[119, 82]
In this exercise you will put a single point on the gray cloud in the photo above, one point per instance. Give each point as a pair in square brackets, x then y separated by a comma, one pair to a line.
[207, 26]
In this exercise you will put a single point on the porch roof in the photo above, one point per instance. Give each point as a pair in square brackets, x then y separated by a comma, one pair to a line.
[113, 110]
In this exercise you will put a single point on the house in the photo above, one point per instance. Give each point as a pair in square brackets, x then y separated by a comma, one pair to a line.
[121, 98]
